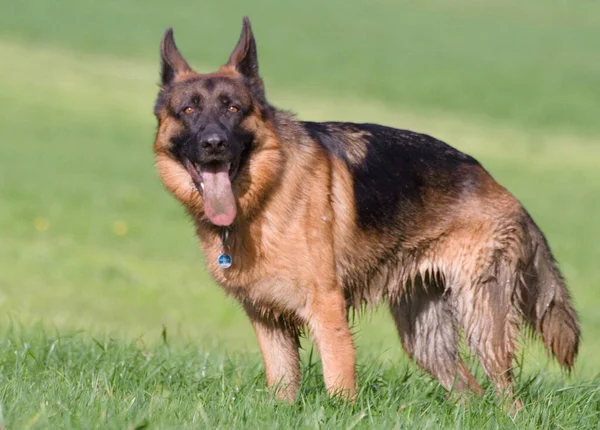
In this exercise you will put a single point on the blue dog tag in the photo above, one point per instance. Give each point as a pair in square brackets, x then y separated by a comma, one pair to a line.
[224, 261]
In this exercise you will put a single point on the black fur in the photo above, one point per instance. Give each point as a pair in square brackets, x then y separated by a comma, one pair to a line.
[397, 165]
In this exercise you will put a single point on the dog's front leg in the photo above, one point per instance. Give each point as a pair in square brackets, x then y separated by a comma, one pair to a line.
[279, 344]
[331, 333]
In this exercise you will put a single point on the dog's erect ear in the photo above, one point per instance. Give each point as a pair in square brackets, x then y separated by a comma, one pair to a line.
[243, 58]
[173, 63]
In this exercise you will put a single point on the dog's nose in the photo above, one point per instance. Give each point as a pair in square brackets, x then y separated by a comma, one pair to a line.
[213, 142]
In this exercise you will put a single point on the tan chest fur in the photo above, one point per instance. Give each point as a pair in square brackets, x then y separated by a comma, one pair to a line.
[279, 262]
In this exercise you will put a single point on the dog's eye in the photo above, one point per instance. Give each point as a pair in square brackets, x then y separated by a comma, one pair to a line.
[188, 110]
[233, 109]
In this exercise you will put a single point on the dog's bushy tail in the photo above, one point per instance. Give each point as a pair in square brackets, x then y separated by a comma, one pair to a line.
[544, 300]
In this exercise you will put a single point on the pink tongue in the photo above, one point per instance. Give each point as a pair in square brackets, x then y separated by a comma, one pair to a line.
[219, 203]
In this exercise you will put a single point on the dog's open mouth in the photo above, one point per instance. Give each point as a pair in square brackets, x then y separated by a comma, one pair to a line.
[213, 181]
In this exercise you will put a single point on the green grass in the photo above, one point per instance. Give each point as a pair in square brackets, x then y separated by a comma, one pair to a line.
[77, 381]
[515, 85]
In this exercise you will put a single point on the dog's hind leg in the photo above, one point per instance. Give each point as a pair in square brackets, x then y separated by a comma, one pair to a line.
[427, 328]
[279, 344]
[490, 321]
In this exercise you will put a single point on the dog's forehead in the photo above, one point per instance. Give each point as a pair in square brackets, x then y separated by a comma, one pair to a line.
[209, 86]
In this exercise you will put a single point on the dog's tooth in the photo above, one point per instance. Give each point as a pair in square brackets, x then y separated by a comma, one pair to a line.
[202, 185]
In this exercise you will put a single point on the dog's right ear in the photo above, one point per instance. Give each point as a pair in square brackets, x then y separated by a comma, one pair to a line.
[173, 63]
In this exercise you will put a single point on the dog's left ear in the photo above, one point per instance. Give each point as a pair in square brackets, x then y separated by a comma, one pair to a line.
[244, 58]
[173, 63]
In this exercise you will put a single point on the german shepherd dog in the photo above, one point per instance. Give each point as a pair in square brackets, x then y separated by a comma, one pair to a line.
[317, 219]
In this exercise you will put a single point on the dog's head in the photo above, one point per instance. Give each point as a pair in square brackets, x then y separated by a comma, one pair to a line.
[208, 127]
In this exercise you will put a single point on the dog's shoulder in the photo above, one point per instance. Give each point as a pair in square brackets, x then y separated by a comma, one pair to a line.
[393, 169]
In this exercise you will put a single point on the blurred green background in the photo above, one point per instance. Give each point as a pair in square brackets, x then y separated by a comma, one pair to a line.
[90, 241]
